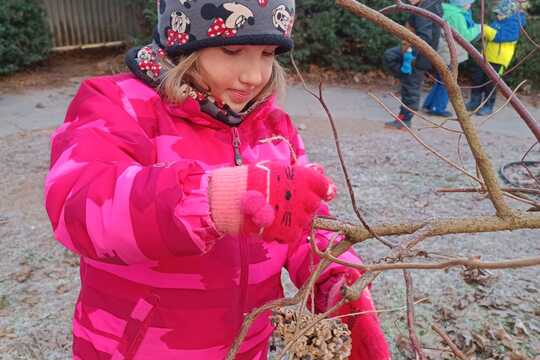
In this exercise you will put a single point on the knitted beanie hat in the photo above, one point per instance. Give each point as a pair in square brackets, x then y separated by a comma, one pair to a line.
[185, 26]
[461, 3]
[506, 8]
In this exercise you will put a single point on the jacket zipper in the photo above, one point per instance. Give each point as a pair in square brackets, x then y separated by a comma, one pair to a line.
[243, 245]
[236, 147]
[244, 278]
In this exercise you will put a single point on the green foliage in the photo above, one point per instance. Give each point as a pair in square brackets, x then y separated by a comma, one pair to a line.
[533, 7]
[328, 36]
[530, 68]
[24, 35]
[147, 21]
[150, 15]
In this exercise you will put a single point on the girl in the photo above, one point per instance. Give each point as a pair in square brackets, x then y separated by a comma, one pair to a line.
[185, 190]
[458, 15]
[501, 37]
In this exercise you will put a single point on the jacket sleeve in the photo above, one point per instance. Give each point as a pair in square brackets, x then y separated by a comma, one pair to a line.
[428, 31]
[302, 261]
[458, 22]
[489, 32]
[106, 196]
[509, 30]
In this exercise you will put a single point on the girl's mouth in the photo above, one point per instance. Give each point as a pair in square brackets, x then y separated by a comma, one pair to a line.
[240, 96]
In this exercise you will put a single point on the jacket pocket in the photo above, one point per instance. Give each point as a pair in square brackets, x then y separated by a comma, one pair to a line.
[136, 327]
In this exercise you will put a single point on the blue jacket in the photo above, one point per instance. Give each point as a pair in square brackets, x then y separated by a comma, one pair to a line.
[502, 37]
[508, 29]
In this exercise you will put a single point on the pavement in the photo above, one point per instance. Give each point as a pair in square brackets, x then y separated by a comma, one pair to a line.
[45, 108]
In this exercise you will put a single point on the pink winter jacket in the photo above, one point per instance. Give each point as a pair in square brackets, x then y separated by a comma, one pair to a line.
[127, 191]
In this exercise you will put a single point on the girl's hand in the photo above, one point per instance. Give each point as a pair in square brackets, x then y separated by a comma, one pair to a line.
[368, 340]
[271, 199]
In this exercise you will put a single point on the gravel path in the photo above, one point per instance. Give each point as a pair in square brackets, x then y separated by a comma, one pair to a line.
[395, 181]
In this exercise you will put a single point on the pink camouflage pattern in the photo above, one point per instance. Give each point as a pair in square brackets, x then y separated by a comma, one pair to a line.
[127, 191]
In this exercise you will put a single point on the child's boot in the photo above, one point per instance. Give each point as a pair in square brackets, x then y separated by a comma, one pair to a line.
[487, 109]
[406, 118]
[475, 101]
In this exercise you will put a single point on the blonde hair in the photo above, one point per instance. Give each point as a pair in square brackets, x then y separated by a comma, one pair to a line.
[175, 86]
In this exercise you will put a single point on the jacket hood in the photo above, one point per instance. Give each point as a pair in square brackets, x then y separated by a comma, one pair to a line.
[453, 9]
[516, 20]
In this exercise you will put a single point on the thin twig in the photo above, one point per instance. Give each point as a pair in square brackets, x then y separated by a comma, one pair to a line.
[432, 150]
[449, 342]
[536, 180]
[415, 343]
[379, 311]
[459, 154]
[457, 262]
[416, 113]
[503, 105]
[481, 190]
[445, 159]
[344, 169]
[476, 56]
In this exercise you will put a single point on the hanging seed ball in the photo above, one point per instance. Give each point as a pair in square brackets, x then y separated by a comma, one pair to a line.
[329, 339]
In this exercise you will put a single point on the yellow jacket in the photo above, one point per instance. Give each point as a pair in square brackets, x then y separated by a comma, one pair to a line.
[502, 36]
[498, 53]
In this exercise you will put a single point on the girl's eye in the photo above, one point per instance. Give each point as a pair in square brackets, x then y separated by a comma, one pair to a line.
[268, 53]
[231, 51]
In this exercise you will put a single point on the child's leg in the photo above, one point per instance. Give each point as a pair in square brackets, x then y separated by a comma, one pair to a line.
[392, 61]
[491, 86]
[478, 78]
[434, 93]
[490, 93]
[428, 102]
[441, 100]
[410, 90]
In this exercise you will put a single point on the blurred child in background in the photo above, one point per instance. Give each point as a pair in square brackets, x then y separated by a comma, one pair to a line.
[458, 15]
[501, 38]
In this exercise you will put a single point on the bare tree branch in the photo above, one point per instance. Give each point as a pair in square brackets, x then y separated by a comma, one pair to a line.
[344, 169]
[454, 92]
[522, 111]
[438, 227]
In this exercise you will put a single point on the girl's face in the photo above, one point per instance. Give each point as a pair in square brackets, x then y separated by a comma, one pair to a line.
[236, 74]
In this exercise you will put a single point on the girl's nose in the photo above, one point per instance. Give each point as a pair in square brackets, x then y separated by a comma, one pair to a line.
[251, 74]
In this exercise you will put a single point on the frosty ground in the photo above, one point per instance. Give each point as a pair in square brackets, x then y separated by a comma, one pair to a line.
[395, 180]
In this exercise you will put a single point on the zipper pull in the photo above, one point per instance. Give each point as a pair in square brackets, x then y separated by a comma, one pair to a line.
[236, 147]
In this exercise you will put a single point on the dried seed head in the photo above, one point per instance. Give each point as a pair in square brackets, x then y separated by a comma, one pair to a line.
[329, 339]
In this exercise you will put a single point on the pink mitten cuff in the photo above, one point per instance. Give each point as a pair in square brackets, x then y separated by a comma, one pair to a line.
[226, 188]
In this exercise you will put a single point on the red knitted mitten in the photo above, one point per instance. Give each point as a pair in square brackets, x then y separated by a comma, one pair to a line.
[368, 342]
[271, 199]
